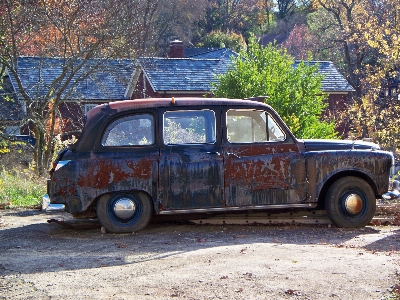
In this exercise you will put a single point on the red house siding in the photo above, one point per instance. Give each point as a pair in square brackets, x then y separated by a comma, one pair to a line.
[336, 107]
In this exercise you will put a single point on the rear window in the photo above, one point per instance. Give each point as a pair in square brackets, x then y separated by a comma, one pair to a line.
[132, 130]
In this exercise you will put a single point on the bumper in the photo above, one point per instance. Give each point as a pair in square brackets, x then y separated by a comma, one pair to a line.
[49, 208]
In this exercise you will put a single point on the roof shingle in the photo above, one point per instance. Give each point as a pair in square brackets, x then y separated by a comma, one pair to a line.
[333, 81]
[98, 79]
[182, 74]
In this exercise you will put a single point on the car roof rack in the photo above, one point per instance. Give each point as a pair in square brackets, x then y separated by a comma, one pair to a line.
[258, 98]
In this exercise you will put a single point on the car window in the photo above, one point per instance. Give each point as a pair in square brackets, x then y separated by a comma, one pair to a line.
[252, 126]
[189, 127]
[132, 130]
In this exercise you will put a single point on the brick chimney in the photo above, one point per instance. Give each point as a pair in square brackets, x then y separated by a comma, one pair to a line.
[176, 49]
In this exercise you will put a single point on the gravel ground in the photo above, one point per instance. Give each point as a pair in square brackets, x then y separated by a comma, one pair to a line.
[39, 260]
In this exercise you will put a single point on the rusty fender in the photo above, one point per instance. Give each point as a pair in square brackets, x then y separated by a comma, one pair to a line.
[98, 176]
[372, 166]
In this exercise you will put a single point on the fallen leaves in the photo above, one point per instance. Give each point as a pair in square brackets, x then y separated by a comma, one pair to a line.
[293, 292]
[4, 205]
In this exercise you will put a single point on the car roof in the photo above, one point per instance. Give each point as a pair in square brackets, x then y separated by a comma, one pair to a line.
[119, 106]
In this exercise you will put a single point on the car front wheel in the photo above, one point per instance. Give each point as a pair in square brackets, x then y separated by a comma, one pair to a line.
[350, 202]
[124, 212]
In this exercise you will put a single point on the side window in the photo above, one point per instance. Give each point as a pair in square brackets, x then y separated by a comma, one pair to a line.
[133, 130]
[252, 126]
[189, 127]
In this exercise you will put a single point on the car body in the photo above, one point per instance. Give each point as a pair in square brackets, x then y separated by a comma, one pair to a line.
[169, 156]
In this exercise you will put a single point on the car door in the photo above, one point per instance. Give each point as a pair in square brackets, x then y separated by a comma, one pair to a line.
[262, 162]
[191, 163]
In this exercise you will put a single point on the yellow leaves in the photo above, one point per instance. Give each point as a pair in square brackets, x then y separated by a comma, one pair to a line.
[293, 122]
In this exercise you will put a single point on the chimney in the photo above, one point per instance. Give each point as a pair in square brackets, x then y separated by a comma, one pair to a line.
[176, 49]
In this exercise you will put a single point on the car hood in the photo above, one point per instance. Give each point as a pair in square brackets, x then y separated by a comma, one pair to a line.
[321, 145]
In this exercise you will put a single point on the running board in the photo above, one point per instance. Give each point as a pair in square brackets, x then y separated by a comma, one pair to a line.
[238, 208]
[297, 217]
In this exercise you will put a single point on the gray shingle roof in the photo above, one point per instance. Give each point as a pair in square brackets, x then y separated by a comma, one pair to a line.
[221, 53]
[334, 81]
[182, 74]
[196, 74]
[108, 80]
[111, 78]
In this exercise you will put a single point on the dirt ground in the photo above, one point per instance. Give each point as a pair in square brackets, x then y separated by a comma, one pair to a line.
[41, 260]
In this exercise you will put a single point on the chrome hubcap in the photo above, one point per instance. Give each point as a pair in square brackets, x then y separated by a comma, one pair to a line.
[124, 208]
[353, 203]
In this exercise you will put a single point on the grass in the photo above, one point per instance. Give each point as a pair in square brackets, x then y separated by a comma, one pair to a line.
[20, 189]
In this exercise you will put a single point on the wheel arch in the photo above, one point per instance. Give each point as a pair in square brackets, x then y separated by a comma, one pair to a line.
[328, 183]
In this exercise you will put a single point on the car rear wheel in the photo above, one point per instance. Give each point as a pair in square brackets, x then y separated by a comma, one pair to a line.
[124, 212]
[350, 202]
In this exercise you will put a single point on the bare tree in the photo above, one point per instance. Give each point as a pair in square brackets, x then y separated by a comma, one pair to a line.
[82, 34]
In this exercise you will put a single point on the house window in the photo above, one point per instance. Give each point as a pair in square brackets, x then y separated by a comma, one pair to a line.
[88, 107]
[12, 130]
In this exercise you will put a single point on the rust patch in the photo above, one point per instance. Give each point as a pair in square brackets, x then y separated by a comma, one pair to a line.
[105, 172]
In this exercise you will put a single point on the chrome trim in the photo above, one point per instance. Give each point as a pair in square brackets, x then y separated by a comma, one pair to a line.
[50, 208]
[61, 164]
[124, 208]
[353, 204]
[236, 208]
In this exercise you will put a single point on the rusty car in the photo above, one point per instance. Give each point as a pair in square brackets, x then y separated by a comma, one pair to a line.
[136, 159]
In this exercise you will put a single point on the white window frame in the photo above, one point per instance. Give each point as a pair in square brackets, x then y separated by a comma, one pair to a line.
[88, 107]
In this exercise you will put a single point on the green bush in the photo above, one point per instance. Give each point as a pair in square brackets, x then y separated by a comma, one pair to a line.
[20, 189]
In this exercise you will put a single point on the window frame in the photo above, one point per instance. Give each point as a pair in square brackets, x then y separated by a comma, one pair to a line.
[88, 106]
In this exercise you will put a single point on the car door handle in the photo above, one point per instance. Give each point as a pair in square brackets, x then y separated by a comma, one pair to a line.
[213, 152]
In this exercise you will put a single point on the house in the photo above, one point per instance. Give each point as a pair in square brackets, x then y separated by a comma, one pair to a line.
[97, 81]
[180, 75]
[338, 90]
[186, 72]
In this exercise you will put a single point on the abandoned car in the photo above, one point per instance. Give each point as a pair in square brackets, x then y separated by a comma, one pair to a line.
[139, 158]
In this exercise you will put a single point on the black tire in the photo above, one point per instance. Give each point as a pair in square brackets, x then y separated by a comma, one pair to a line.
[350, 202]
[124, 212]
